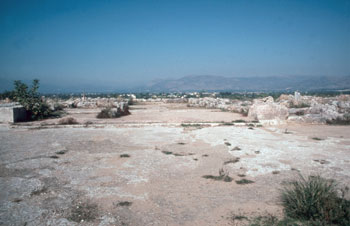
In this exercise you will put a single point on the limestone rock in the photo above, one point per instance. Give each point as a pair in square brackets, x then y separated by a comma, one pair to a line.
[266, 109]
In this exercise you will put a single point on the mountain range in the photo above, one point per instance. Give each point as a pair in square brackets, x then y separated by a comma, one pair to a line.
[271, 83]
[202, 83]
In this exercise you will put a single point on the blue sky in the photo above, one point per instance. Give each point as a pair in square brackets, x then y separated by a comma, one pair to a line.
[129, 42]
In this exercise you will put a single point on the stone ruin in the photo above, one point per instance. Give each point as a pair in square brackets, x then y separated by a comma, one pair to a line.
[293, 108]
[12, 112]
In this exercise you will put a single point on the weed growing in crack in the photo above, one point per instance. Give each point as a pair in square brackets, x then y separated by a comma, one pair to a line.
[227, 124]
[239, 217]
[231, 161]
[244, 181]
[322, 161]
[236, 149]
[175, 154]
[287, 132]
[40, 191]
[191, 125]
[223, 176]
[124, 203]
[62, 152]
[17, 200]
[53, 157]
[83, 211]
[239, 121]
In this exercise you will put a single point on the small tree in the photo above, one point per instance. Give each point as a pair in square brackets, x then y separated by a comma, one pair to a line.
[31, 100]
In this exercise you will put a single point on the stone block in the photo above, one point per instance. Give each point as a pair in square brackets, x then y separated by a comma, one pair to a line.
[12, 112]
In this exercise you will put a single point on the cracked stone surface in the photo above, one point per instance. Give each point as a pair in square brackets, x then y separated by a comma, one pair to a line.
[164, 189]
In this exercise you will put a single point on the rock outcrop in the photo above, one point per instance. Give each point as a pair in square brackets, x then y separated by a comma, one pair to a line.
[267, 110]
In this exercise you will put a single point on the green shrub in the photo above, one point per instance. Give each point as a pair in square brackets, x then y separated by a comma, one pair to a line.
[104, 113]
[7, 94]
[110, 113]
[30, 100]
[316, 199]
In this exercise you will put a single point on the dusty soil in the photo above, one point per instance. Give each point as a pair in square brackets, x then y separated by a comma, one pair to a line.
[147, 168]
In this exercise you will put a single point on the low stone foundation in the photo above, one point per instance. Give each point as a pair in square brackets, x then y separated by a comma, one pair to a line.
[12, 112]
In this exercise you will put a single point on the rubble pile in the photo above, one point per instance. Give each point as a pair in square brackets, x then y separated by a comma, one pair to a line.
[296, 108]
[293, 108]
[220, 103]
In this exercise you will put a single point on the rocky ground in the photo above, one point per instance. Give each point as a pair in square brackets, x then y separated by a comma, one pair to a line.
[147, 168]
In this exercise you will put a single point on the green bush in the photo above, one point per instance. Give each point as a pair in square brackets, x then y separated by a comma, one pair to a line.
[30, 100]
[316, 200]
[6, 94]
[109, 113]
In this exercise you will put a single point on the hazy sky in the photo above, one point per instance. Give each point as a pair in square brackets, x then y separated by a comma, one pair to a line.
[125, 42]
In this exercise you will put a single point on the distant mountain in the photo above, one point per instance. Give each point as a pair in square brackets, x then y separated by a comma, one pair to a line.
[198, 83]
[272, 83]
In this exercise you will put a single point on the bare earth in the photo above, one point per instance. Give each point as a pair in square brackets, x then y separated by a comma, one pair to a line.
[49, 173]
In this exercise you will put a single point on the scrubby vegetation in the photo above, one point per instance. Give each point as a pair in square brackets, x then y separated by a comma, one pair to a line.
[239, 121]
[223, 176]
[301, 105]
[30, 99]
[123, 203]
[311, 201]
[83, 211]
[345, 120]
[231, 161]
[68, 121]
[244, 181]
[109, 113]
[190, 125]
[105, 113]
[317, 201]
[7, 94]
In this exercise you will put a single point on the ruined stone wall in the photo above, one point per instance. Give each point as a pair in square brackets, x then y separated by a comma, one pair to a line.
[10, 113]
